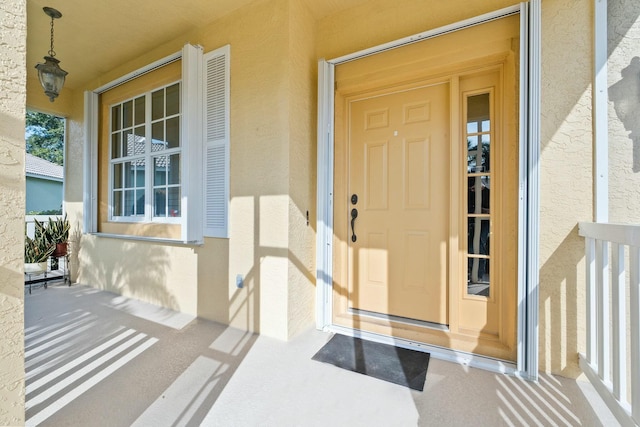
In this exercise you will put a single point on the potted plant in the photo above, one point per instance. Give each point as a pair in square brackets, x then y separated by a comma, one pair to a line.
[36, 253]
[57, 232]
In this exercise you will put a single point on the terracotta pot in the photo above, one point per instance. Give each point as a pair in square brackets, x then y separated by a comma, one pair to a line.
[35, 267]
[61, 250]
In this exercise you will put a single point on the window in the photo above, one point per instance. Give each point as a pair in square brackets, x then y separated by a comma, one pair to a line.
[145, 171]
[143, 129]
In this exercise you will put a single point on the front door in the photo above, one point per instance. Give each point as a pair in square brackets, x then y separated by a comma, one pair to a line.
[399, 202]
[425, 192]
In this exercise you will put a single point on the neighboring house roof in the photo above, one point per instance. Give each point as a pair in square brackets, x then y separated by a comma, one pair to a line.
[41, 168]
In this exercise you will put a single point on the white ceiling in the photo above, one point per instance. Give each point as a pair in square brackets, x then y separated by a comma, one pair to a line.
[94, 36]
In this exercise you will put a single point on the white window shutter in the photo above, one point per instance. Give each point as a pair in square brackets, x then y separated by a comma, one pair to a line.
[216, 128]
[192, 149]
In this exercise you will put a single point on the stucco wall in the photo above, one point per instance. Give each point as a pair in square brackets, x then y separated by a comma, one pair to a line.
[264, 193]
[302, 165]
[565, 179]
[13, 41]
[624, 110]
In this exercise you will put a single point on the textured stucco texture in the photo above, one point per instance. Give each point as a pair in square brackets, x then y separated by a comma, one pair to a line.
[13, 40]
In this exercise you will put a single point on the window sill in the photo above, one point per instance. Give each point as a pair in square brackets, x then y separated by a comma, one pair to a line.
[159, 240]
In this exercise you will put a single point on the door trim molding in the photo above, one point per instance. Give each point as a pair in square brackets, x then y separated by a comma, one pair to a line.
[528, 241]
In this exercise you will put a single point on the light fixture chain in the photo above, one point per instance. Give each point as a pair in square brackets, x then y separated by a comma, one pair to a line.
[52, 53]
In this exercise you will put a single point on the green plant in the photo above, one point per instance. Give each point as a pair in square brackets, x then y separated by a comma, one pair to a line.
[37, 249]
[56, 231]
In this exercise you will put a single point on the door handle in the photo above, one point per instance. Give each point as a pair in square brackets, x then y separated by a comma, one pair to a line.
[354, 215]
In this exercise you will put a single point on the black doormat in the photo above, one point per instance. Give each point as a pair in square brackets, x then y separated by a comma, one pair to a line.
[386, 362]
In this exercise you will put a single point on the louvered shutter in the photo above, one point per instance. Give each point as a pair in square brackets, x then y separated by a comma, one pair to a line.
[216, 159]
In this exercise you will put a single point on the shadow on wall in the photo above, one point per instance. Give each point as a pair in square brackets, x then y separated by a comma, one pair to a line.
[558, 305]
[134, 269]
[625, 95]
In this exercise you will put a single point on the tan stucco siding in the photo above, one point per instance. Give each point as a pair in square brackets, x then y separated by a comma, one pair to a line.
[380, 21]
[302, 166]
[624, 110]
[260, 205]
[565, 179]
[13, 41]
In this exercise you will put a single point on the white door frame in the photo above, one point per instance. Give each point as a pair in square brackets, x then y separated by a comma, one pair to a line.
[528, 221]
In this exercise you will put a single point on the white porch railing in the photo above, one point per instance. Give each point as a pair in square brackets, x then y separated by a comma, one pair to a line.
[612, 359]
[30, 224]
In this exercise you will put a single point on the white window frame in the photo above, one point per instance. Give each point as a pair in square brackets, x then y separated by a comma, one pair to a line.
[191, 139]
[148, 157]
[528, 221]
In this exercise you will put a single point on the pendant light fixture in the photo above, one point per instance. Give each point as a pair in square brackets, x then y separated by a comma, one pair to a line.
[50, 74]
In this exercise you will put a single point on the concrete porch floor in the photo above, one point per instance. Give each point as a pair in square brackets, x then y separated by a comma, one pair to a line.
[97, 359]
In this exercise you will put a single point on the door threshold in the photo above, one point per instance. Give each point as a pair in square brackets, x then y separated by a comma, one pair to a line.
[490, 364]
[399, 319]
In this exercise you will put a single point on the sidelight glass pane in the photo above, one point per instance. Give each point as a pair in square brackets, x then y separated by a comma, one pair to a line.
[478, 110]
[478, 202]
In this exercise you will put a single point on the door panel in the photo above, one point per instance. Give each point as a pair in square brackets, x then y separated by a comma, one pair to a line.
[399, 156]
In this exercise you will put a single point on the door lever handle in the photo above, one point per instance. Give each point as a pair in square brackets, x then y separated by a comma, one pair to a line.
[354, 215]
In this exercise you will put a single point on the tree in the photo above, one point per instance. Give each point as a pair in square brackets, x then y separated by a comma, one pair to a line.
[45, 136]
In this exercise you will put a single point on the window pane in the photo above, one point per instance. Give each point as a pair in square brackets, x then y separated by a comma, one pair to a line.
[159, 202]
[173, 99]
[128, 138]
[157, 104]
[139, 110]
[159, 171]
[129, 199]
[140, 202]
[140, 173]
[139, 140]
[478, 236]
[486, 126]
[472, 127]
[173, 168]
[478, 160]
[478, 109]
[115, 118]
[173, 201]
[157, 137]
[117, 203]
[127, 114]
[173, 132]
[116, 146]
[478, 202]
[129, 175]
[117, 175]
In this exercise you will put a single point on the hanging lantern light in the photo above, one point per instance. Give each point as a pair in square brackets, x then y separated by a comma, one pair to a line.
[50, 74]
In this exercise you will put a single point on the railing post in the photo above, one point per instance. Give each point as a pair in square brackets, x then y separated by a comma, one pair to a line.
[634, 307]
[602, 298]
[590, 255]
[619, 350]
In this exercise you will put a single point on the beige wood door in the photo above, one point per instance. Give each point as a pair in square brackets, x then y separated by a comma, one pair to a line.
[426, 137]
[399, 187]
